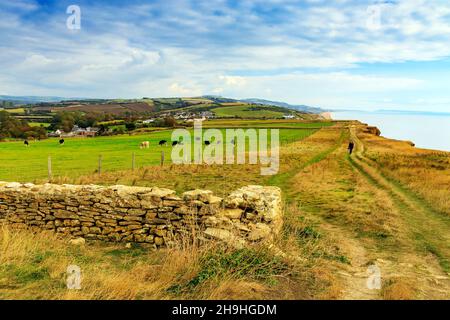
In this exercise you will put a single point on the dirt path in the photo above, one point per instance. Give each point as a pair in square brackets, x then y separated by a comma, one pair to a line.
[425, 260]
[412, 261]
[354, 275]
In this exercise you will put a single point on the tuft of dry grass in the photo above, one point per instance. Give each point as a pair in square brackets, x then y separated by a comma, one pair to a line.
[398, 289]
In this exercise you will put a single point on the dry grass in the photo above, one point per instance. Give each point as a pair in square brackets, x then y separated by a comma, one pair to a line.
[398, 289]
[33, 266]
[426, 172]
[220, 179]
[332, 191]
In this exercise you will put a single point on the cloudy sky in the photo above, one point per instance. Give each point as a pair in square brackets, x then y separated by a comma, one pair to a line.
[350, 54]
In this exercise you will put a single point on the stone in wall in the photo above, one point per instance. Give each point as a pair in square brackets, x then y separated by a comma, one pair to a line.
[138, 214]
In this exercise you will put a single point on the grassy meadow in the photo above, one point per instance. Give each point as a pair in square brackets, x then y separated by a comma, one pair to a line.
[80, 156]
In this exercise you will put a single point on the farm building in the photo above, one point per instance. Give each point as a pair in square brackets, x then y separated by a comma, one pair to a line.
[56, 133]
[88, 132]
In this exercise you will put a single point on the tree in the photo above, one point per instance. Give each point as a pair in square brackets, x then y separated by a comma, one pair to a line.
[130, 126]
[63, 121]
[11, 127]
[170, 122]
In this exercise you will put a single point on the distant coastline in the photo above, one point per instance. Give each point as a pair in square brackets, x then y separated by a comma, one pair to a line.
[326, 115]
[428, 130]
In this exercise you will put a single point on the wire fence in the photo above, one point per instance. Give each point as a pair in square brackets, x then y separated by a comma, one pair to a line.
[75, 160]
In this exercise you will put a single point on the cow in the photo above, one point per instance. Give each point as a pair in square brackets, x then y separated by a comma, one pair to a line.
[174, 143]
[207, 143]
[26, 143]
[61, 141]
[163, 143]
[144, 145]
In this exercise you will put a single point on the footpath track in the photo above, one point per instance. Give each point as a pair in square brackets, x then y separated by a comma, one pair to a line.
[427, 229]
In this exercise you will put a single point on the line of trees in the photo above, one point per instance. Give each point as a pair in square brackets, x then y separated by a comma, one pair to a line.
[66, 120]
[11, 127]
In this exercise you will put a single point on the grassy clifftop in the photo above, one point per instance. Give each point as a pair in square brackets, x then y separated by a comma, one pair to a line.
[386, 205]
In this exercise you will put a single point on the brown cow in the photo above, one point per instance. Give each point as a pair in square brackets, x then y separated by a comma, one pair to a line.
[145, 145]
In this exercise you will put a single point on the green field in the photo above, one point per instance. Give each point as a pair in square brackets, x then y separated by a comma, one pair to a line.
[245, 112]
[15, 110]
[266, 124]
[39, 124]
[79, 156]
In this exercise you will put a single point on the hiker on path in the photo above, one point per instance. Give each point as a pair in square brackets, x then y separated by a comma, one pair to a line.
[351, 146]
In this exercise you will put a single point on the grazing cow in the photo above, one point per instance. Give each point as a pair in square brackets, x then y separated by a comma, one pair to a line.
[145, 145]
[26, 143]
[207, 143]
[174, 143]
[163, 143]
[61, 141]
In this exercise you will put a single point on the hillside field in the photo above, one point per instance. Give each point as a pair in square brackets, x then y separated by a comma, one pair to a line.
[246, 112]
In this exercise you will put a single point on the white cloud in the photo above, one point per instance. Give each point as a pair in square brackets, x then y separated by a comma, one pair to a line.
[234, 81]
[182, 90]
[302, 54]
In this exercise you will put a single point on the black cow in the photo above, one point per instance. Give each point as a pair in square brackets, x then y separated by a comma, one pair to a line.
[61, 141]
[26, 143]
[163, 143]
[207, 143]
[174, 143]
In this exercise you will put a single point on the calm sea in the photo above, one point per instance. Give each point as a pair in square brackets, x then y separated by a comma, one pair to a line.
[429, 131]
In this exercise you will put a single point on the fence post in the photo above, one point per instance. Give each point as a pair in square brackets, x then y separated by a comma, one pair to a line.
[133, 161]
[49, 167]
[99, 164]
[162, 158]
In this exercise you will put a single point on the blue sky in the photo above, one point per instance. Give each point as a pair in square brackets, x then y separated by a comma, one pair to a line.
[331, 54]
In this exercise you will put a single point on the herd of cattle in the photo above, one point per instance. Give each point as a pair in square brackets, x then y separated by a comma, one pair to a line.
[145, 144]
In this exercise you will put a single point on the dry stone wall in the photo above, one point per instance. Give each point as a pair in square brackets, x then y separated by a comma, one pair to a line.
[147, 215]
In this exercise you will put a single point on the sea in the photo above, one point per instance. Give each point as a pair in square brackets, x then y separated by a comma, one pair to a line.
[426, 130]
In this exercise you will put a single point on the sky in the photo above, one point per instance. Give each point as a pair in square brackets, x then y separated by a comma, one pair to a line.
[341, 54]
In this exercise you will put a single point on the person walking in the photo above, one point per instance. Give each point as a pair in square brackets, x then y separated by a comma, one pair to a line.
[351, 146]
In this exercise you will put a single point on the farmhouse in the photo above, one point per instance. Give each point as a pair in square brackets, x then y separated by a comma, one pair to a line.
[88, 132]
[57, 133]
